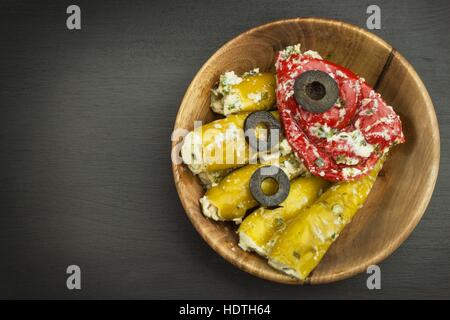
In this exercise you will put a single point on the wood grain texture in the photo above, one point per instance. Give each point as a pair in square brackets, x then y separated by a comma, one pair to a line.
[402, 192]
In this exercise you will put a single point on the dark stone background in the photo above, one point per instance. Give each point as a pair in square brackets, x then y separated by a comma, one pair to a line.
[86, 118]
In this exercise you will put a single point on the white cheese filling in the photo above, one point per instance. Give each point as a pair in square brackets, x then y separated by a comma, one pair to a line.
[231, 103]
[284, 268]
[293, 167]
[290, 50]
[285, 147]
[312, 54]
[255, 96]
[208, 209]
[247, 244]
[358, 143]
[354, 139]
[227, 100]
[191, 152]
[350, 172]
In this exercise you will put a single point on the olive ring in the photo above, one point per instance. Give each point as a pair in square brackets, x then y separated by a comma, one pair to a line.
[279, 176]
[316, 91]
[252, 121]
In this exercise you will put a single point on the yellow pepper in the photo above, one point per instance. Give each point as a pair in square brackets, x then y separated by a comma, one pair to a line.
[253, 91]
[304, 242]
[206, 148]
[220, 145]
[260, 226]
[231, 198]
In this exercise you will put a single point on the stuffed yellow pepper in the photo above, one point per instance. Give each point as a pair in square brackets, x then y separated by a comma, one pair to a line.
[301, 246]
[205, 149]
[260, 226]
[253, 91]
[231, 198]
[220, 145]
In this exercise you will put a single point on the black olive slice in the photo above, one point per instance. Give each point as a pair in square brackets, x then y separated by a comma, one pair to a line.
[316, 91]
[257, 118]
[269, 172]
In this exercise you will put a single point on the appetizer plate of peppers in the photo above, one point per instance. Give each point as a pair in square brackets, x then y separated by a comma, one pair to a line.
[305, 150]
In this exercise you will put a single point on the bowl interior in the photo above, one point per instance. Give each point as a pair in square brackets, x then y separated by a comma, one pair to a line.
[403, 190]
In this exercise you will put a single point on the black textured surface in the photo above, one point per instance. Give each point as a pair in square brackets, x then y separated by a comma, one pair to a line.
[85, 126]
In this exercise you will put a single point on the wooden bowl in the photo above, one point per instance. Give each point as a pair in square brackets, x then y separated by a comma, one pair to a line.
[403, 190]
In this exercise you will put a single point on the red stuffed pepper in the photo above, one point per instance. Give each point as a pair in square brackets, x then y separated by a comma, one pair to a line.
[345, 141]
